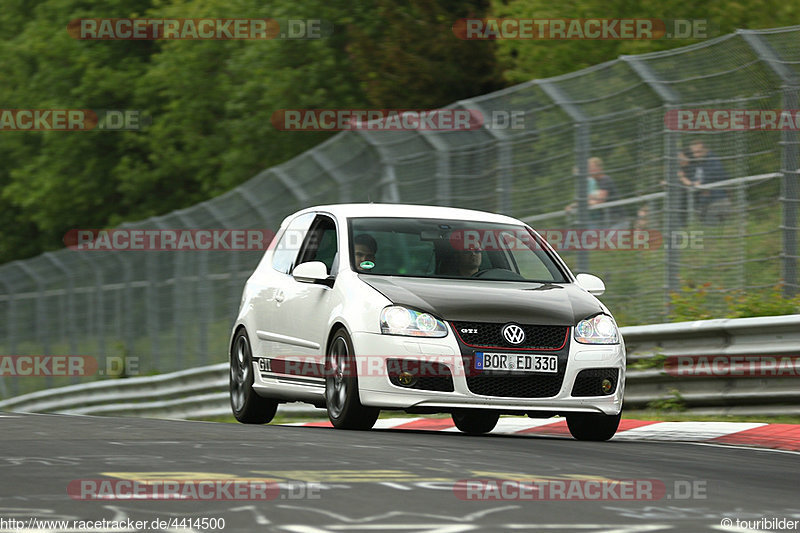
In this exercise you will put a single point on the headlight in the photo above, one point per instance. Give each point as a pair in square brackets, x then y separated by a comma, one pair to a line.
[397, 320]
[600, 329]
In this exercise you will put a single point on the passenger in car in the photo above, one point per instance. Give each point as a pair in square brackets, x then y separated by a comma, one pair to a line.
[365, 248]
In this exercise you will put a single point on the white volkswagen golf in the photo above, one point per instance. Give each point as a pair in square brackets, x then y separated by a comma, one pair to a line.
[358, 308]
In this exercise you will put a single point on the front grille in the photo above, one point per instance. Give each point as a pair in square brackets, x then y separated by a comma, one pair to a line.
[512, 384]
[430, 376]
[489, 335]
[587, 383]
[516, 386]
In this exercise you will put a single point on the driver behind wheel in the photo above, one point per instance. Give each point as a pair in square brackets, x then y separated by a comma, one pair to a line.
[468, 262]
[464, 263]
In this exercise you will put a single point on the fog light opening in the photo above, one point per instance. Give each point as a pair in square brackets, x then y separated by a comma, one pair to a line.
[407, 379]
[607, 386]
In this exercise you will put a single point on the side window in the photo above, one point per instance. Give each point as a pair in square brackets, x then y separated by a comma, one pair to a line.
[320, 243]
[283, 260]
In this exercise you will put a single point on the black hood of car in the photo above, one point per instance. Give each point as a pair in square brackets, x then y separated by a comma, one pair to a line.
[552, 304]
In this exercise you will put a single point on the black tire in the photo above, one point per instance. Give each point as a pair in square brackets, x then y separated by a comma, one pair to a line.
[247, 406]
[590, 426]
[341, 387]
[475, 421]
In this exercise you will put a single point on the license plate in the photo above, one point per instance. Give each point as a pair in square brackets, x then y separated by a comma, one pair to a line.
[516, 362]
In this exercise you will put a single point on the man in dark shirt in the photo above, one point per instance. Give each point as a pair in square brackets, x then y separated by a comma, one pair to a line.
[605, 191]
[712, 204]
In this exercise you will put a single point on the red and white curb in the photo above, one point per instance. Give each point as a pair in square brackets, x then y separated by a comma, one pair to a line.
[760, 435]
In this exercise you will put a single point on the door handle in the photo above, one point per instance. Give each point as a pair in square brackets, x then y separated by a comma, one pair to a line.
[279, 296]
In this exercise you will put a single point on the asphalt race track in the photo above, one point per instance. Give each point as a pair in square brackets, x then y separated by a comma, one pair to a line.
[382, 480]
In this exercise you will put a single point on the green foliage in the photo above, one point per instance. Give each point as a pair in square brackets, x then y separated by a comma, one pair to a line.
[674, 402]
[691, 303]
[655, 361]
[522, 60]
[761, 303]
[406, 58]
[694, 303]
[210, 101]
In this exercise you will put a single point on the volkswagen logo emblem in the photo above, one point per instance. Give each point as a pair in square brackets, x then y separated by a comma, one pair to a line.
[513, 334]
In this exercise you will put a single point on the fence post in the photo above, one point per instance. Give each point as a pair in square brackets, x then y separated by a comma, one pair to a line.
[42, 325]
[390, 192]
[11, 331]
[151, 308]
[69, 313]
[582, 154]
[98, 305]
[128, 341]
[205, 288]
[178, 296]
[505, 157]
[740, 211]
[192, 298]
[342, 183]
[443, 173]
[673, 188]
[671, 216]
[123, 308]
[790, 192]
[790, 195]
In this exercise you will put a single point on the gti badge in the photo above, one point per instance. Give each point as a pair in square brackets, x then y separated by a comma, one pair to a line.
[513, 334]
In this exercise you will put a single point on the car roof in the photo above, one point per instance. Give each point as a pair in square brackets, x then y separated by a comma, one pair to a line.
[344, 211]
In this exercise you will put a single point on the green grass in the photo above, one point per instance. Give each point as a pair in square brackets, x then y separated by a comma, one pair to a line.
[688, 417]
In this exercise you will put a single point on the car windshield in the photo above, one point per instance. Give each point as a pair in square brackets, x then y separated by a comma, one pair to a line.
[438, 248]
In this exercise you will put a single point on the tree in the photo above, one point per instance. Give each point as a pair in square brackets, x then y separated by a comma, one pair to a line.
[522, 60]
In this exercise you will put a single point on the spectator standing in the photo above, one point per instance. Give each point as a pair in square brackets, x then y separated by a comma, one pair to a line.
[686, 186]
[605, 191]
[712, 204]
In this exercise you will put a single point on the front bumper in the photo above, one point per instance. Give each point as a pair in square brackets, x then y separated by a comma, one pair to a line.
[376, 389]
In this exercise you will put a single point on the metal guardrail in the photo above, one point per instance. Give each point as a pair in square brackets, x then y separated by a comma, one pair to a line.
[203, 392]
[195, 393]
[173, 395]
[712, 395]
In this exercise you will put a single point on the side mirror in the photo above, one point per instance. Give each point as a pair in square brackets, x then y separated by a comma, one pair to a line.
[591, 283]
[312, 272]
